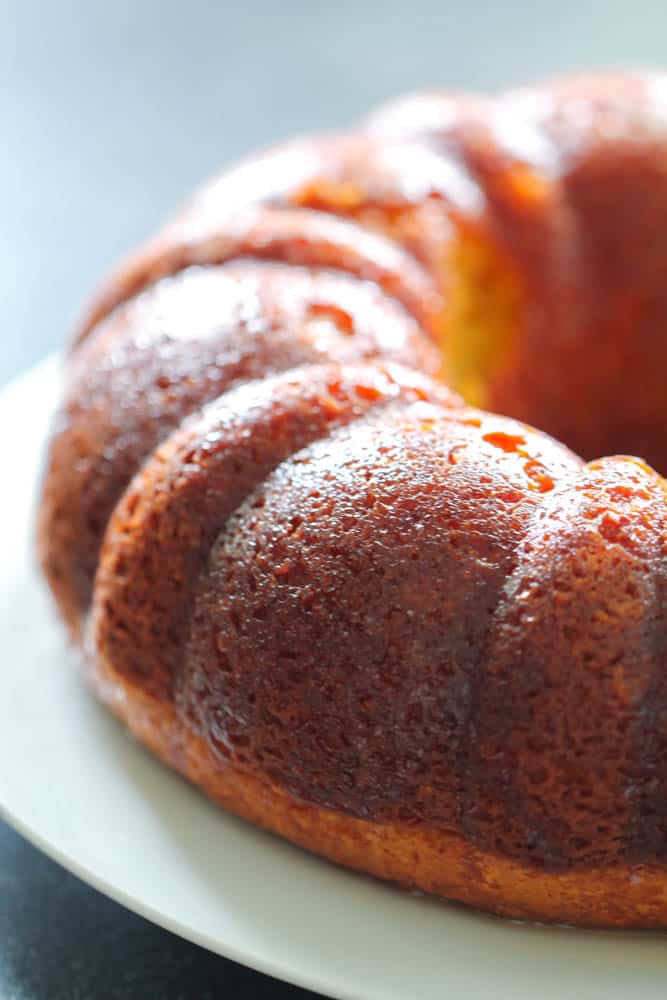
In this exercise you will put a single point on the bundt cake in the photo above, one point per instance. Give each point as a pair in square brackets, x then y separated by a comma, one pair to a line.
[311, 571]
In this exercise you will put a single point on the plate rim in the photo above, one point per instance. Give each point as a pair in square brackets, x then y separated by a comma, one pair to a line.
[329, 981]
[45, 368]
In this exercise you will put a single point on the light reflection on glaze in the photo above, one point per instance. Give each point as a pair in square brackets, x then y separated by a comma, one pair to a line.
[527, 728]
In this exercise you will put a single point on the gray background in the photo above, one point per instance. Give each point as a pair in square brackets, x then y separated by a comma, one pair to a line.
[109, 113]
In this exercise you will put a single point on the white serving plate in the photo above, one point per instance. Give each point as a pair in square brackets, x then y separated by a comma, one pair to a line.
[75, 784]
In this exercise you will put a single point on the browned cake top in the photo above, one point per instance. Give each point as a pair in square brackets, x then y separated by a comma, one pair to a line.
[263, 507]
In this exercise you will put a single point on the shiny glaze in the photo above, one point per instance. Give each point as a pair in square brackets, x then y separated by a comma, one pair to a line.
[246, 212]
[575, 176]
[166, 523]
[293, 236]
[339, 578]
[341, 625]
[183, 342]
[568, 180]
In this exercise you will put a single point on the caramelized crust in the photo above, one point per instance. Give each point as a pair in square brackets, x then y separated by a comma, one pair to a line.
[569, 719]
[293, 236]
[575, 177]
[313, 636]
[420, 639]
[161, 356]
[160, 536]
[621, 894]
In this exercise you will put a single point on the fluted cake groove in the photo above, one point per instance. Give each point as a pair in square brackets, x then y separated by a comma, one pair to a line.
[310, 564]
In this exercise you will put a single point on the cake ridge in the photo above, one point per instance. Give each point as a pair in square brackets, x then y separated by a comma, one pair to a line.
[413, 635]
[230, 446]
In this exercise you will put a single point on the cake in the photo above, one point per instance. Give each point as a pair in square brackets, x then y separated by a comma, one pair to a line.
[297, 518]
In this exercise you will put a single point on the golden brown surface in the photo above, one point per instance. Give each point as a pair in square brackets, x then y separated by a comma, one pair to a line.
[436, 861]
[574, 174]
[159, 357]
[418, 638]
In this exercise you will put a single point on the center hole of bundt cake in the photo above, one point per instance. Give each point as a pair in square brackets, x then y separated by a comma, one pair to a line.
[484, 302]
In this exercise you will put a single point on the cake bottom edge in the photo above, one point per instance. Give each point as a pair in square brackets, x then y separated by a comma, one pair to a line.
[434, 861]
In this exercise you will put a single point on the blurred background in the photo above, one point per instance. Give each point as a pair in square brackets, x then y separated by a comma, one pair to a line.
[109, 113]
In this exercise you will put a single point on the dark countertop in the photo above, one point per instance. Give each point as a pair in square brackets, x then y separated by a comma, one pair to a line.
[109, 113]
[61, 940]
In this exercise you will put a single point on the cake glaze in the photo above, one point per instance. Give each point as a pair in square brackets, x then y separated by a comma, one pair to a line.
[422, 639]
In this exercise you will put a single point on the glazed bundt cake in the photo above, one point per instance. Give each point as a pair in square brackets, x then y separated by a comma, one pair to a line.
[313, 573]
